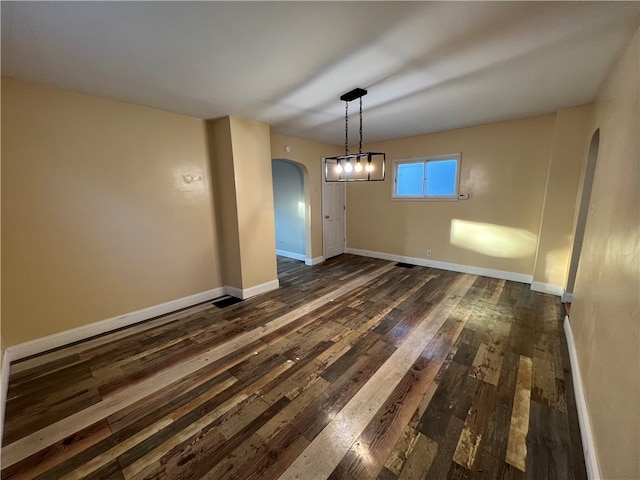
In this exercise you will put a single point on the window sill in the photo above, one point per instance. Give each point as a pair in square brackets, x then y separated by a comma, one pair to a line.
[425, 199]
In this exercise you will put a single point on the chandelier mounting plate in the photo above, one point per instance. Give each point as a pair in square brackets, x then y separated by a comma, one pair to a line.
[353, 94]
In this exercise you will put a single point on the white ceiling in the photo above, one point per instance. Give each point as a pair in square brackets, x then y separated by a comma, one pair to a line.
[428, 66]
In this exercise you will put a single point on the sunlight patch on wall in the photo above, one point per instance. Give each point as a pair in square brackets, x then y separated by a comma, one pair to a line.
[493, 240]
[555, 266]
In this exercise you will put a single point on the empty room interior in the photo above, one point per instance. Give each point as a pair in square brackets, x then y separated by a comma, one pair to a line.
[320, 240]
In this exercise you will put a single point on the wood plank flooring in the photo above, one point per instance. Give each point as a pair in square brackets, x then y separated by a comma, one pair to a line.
[354, 369]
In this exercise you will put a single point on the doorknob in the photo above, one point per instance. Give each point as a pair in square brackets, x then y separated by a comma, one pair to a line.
[326, 216]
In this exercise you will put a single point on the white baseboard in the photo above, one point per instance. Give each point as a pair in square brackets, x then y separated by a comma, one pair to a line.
[556, 290]
[298, 256]
[567, 297]
[39, 345]
[252, 291]
[4, 388]
[314, 261]
[454, 267]
[295, 256]
[588, 445]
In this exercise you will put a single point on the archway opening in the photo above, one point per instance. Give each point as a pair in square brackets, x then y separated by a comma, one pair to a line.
[583, 211]
[291, 201]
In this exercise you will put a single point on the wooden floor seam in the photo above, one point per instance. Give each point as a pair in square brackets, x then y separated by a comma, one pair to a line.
[353, 369]
[111, 403]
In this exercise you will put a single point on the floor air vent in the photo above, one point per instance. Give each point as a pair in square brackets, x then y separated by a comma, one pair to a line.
[226, 301]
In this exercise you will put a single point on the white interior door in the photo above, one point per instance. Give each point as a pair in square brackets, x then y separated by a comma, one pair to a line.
[333, 225]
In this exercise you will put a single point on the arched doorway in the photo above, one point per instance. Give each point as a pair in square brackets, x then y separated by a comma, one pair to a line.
[583, 212]
[291, 209]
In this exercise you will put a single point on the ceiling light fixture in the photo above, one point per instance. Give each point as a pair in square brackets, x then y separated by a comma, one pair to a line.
[349, 168]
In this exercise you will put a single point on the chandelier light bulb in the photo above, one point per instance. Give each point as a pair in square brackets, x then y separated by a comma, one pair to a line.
[369, 167]
[358, 166]
[348, 167]
[338, 168]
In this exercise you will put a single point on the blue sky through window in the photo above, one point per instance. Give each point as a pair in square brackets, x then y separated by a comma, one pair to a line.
[432, 177]
[441, 177]
[410, 178]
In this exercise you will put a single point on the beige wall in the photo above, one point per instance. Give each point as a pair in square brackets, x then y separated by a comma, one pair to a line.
[504, 169]
[97, 219]
[309, 155]
[1, 339]
[221, 151]
[254, 196]
[605, 315]
[563, 181]
[241, 162]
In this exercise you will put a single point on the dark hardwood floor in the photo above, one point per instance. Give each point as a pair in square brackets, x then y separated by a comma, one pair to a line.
[354, 369]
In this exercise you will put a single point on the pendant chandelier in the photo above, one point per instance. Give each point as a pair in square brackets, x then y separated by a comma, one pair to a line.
[356, 167]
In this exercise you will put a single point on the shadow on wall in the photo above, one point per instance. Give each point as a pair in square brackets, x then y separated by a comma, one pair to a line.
[492, 240]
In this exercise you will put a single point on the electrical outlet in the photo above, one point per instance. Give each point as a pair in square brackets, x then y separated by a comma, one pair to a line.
[428, 253]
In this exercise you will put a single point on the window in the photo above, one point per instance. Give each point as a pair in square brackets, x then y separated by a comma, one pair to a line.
[434, 177]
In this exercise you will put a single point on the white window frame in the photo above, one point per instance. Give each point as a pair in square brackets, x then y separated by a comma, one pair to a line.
[431, 158]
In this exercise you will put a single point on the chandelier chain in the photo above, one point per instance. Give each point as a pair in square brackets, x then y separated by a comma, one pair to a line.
[346, 128]
[360, 148]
